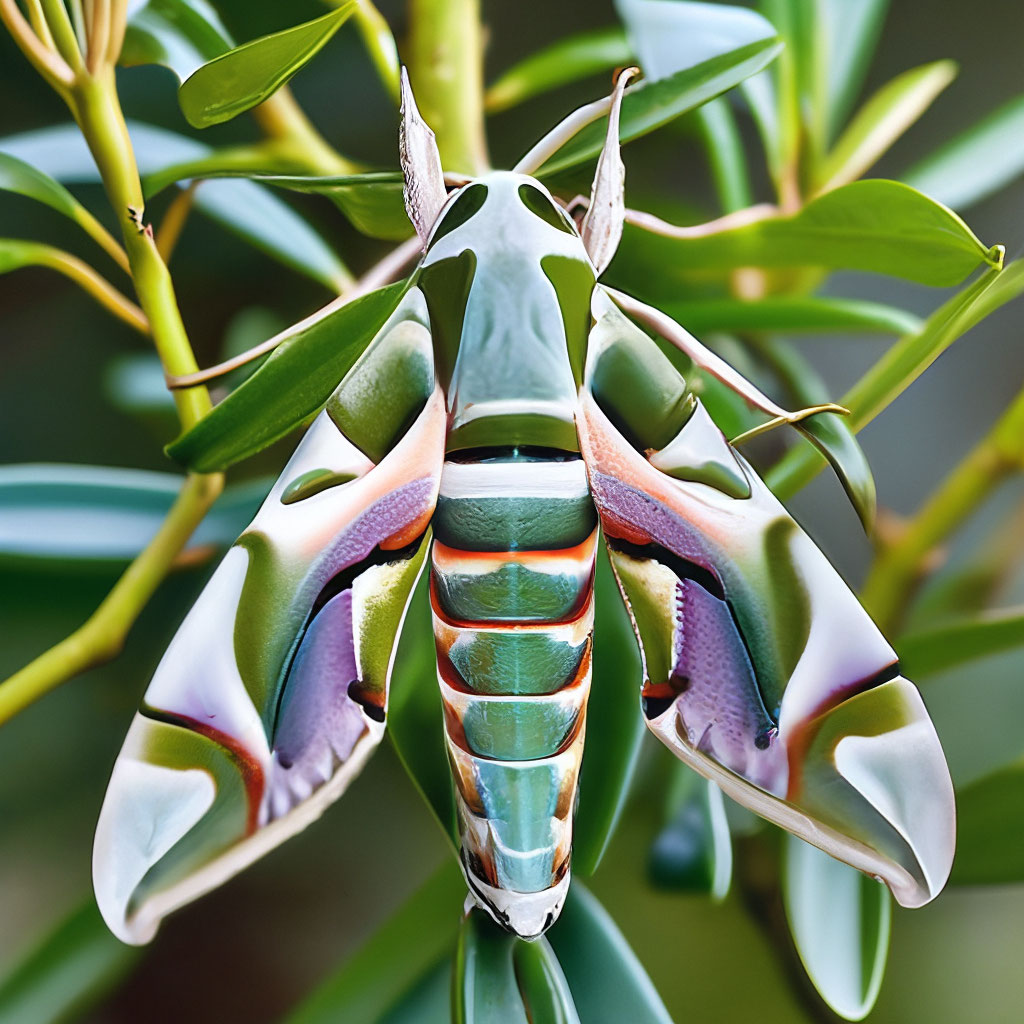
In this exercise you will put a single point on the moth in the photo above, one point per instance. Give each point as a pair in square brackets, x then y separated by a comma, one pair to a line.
[507, 421]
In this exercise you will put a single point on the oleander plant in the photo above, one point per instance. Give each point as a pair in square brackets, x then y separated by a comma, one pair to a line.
[458, 405]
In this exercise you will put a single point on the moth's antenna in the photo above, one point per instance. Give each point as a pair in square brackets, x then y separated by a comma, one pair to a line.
[602, 226]
[421, 165]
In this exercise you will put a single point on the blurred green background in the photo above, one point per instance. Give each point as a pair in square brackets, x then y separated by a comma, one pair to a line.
[252, 949]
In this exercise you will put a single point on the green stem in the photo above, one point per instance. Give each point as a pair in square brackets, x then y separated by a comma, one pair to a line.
[96, 107]
[63, 33]
[899, 568]
[283, 120]
[102, 636]
[91, 282]
[446, 67]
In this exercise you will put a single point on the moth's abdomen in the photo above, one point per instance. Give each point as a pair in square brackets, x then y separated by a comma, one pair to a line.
[512, 598]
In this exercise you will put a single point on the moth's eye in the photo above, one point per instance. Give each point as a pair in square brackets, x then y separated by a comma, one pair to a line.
[468, 203]
[536, 202]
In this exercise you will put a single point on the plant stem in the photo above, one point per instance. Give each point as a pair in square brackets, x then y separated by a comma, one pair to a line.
[899, 568]
[174, 221]
[446, 67]
[90, 281]
[46, 61]
[283, 120]
[102, 636]
[96, 107]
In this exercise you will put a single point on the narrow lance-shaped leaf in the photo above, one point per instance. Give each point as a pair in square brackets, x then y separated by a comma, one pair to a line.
[726, 155]
[420, 934]
[954, 643]
[179, 34]
[881, 121]
[614, 725]
[693, 852]
[500, 979]
[415, 716]
[239, 79]
[428, 1001]
[289, 387]
[990, 829]
[651, 104]
[26, 180]
[968, 585]
[372, 201]
[879, 226]
[241, 206]
[840, 921]
[977, 162]
[851, 33]
[69, 971]
[567, 60]
[790, 315]
[607, 981]
[668, 37]
[828, 432]
[53, 514]
[904, 363]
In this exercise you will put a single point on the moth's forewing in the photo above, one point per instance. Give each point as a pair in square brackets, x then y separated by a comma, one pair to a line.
[762, 670]
[274, 690]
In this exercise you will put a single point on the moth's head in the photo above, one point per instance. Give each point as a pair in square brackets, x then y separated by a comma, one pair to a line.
[516, 206]
[514, 199]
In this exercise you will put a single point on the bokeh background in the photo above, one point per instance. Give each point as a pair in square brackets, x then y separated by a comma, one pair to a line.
[252, 949]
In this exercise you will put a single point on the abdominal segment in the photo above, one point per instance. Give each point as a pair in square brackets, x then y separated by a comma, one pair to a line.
[513, 608]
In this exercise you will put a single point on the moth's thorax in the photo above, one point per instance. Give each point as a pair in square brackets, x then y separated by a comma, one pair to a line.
[514, 263]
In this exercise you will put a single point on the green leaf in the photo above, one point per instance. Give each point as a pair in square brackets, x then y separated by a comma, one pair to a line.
[977, 162]
[829, 432]
[789, 100]
[411, 943]
[428, 1001]
[840, 921]
[904, 363]
[653, 103]
[499, 979]
[16, 253]
[415, 716]
[851, 32]
[607, 981]
[726, 155]
[98, 515]
[568, 60]
[179, 34]
[693, 852]
[543, 986]
[831, 435]
[881, 121]
[67, 972]
[615, 725]
[880, 226]
[238, 80]
[791, 315]
[668, 37]
[962, 640]
[484, 987]
[372, 201]
[26, 180]
[289, 387]
[243, 207]
[972, 583]
[990, 829]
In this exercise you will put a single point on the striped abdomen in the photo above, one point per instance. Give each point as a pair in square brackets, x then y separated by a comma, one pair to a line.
[512, 598]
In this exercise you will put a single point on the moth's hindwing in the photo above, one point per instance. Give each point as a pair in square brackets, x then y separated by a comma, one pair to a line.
[762, 670]
[274, 690]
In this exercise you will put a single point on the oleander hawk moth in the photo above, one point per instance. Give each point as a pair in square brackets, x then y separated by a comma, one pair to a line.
[507, 420]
